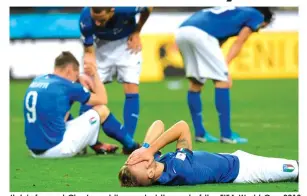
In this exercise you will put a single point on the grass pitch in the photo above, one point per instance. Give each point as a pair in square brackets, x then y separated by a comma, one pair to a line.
[264, 111]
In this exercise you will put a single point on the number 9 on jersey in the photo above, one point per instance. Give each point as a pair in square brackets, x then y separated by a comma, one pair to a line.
[30, 104]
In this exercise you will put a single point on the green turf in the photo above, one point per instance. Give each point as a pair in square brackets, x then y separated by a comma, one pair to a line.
[265, 111]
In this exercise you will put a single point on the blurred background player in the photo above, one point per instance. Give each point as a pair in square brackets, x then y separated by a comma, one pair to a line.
[111, 37]
[199, 39]
[146, 166]
[50, 130]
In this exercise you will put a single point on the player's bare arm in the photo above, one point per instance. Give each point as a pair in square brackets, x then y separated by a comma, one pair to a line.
[143, 18]
[179, 132]
[134, 41]
[153, 133]
[89, 50]
[89, 53]
[99, 93]
[236, 48]
[238, 44]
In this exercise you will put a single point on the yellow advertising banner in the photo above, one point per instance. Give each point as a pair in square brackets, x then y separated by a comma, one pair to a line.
[265, 55]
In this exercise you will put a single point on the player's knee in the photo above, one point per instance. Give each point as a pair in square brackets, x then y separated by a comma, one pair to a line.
[103, 112]
[130, 88]
[221, 84]
[195, 86]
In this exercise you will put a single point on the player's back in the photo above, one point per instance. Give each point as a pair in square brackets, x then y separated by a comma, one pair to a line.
[46, 103]
[212, 167]
[225, 22]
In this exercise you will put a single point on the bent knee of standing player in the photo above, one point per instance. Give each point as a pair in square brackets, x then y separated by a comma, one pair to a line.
[131, 88]
[103, 112]
[222, 84]
[195, 85]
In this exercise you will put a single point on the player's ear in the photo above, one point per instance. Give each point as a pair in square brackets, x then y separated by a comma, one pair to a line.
[112, 9]
[151, 173]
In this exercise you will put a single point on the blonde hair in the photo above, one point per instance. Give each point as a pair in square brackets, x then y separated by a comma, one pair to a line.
[126, 178]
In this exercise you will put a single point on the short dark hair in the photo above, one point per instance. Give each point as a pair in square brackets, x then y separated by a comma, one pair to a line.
[66, 58]
[267, 13]
[98, 10]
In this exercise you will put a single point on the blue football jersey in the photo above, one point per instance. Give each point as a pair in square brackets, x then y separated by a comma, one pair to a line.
[225, 22]
[185, 167]
[121, 25]
[46, 102]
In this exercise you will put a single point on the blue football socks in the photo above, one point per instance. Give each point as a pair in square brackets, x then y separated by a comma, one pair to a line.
[222, 103]
[115, 130]
[131, 113]
[195, 106]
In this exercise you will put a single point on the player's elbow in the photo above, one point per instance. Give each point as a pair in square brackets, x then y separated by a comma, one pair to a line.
[104, 100]
[160, 125]
[159, 122]
[97, 99]
[183, 124]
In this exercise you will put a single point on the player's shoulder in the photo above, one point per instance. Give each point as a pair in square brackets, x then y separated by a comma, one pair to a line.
[85, 19]
[85, 12]
[40, 78]
[250, 11]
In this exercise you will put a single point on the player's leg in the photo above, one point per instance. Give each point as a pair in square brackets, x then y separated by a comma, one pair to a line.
[112, 128]
[116, 130]
[131, 107]
[106, 71]
[84, 131]
[183, 37]
[128, 73]
[98, 147]
[80, 132]
[215, 68]
[257, 169]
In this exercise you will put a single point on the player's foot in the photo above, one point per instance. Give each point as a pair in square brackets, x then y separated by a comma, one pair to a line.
[207, 138]
[104, 148]
[128, 151]
[235, 139]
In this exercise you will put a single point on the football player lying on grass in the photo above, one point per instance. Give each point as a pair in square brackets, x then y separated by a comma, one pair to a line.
[146, 166]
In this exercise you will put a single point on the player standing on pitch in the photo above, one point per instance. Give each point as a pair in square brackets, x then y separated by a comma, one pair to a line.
[111, 36]
[199, 39]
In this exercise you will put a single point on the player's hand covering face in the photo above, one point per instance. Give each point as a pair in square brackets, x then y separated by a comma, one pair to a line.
[134, 42]
[140, 155]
